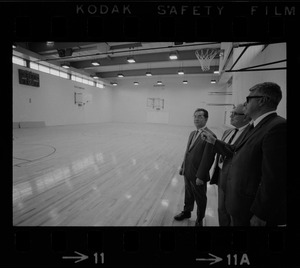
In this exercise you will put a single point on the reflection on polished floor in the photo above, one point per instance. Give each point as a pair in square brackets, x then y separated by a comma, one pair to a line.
[109, 174]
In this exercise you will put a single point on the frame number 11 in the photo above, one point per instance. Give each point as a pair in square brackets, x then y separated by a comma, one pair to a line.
[99, 257]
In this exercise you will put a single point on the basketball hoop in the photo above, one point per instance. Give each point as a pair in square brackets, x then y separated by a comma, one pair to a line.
[205, 56]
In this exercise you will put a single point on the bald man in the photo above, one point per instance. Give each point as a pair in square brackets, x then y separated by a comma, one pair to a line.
[220, 171]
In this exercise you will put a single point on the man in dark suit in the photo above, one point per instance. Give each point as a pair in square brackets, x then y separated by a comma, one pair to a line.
[195, 169]
[221, 166]
[256, 181]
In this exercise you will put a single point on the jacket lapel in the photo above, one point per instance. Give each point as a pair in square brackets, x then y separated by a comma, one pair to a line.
[191, 140]
[256, 128]
[197, 140]
[216, 163]
[226, 134]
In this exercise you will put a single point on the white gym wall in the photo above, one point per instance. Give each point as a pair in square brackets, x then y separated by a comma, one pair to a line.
[180, 101]
[53, 101]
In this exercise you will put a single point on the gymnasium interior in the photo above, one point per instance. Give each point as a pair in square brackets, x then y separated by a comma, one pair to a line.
[100, 129]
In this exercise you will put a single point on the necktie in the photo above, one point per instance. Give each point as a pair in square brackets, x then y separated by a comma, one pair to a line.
[221, 159]
[233, 135]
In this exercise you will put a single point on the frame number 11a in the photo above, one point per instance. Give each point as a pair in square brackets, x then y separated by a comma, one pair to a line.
[235, 260]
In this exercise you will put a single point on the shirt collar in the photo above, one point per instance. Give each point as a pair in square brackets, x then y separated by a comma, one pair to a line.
[243, 127]
[258, 119]
[201, 129]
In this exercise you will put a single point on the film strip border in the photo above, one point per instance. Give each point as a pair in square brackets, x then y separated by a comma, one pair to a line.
[152, 247]
[156, 19]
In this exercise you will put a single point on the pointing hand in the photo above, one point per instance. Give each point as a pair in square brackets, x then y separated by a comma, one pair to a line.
[208, 137]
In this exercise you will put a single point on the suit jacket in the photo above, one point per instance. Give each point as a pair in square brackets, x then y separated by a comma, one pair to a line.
[198, 159]
[219, 175]
[256, 182]
[216, 169]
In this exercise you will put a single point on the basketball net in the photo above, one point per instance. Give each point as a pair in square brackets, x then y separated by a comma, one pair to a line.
[205, 57]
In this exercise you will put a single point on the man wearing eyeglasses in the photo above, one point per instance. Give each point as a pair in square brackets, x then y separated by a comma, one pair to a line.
[195, 169]
[256, 181]
[220, 170]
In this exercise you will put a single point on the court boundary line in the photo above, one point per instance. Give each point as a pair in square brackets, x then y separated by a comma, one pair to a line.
[31, 161]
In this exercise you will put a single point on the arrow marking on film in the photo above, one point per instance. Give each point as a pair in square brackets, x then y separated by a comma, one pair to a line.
[82, 257]
[215, 259]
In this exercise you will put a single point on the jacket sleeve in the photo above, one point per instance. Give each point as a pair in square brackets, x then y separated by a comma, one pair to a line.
[223, 148]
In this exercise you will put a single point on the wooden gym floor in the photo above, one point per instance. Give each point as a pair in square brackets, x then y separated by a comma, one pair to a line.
[109, 174]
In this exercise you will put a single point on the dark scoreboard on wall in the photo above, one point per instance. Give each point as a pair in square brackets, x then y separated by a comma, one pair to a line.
[29, 78]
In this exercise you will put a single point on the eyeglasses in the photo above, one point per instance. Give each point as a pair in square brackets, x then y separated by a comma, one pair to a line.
[253, 97]
[234, 113]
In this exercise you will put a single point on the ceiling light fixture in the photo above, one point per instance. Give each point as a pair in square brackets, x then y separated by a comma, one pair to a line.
[185, 82]
[173, 56]
[136, 83]
[148, 74]
[120, 75]
[213, 81]
[96, 63]
[180, 72]
[65, 65]
[159, 82]
[131, 60]
[114, 84]
[216, 72]
[95, 76]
